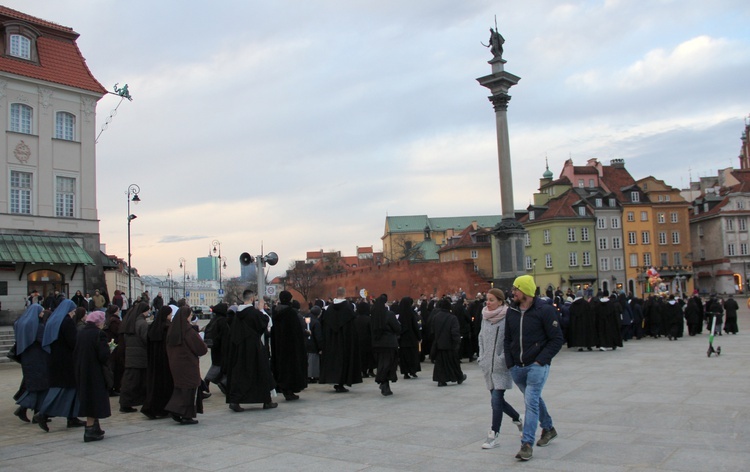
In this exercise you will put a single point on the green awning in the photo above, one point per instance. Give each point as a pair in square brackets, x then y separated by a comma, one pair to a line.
[16, 248]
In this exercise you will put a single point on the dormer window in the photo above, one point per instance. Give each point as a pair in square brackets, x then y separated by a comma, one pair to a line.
[635, 197]
[20, 41]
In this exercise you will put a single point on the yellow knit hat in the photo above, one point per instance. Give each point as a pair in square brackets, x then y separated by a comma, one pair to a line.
[526, 285]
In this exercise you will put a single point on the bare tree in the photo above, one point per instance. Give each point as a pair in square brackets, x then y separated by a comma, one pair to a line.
[406, 250]
[234, 287]
[304, 277]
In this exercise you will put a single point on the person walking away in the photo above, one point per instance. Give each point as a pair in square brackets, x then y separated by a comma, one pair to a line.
[492, 362]
[730, 323]
[288, 353]
[532, 338]
[340, 362]
[159, 384]
[91, 356]
[29, 331]
[184, 349]
[445, 345]
[313, 343]
[362, 324]
[135, 329]
[385, 332]
[408, 342]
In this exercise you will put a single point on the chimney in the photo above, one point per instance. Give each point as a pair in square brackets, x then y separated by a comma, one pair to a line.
[617, 163]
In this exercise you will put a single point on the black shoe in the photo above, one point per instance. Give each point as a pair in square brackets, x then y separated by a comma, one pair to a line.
[176, 417]
[236, 407]
[340, 388]
[462, 380]
[91, 434]
[41, 420]
[406, 377]
[269, 405]
[127, 409]
[114, 393]
[290, 397]
[75, 423]
[385, 389]
[414, 376]
[21, 414]
[98, 428]
[205, 395]
[442, 384]
[150, 416]
[188, 421]
[365, 375]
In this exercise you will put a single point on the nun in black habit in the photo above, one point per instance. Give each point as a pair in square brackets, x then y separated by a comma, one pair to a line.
[408, 342]
[159, 384]
[29, 330]
[445, 345]
[340, 362]
[385, 332]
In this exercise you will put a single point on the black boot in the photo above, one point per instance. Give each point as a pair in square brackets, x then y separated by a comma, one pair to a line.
[75, 423]
[385, 389]
[41, 420]
[98, 428]
[91, 434]
[21, 414]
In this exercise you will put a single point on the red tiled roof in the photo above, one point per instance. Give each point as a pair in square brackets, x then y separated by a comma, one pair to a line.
[560, 207]
[616, 178]
[585, 170]
[60, 60]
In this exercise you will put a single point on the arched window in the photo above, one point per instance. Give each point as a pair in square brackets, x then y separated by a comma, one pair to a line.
[20, 118]
[65, 126]
[20, 46]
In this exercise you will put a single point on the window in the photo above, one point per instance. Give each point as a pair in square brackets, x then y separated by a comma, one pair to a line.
[20, 192]
[580, 183]
[598, 202]
[664, 258]
[586, 258]
[573, 259]
[700, 231]
[730, 249]
[730, 224]
[644, 216]
[742, 223]
[675, 237]
[616, 242]
[548, 260]
[602, 243]
[20, 118]
[529, 263]
[678, 258]
[662, 237]
[631, 216]
[666, 198]
[632, 238]
[527, 239]
[612, 202]
[743, 249]
[705, 207]
[571, 235]
[703, 254]
[584, 234]
[673, 217]
[661, 218]
[645, 237]
[531, 216]
[617, 263]
[591, 183]
[546, 236]
[582, 211]
[615, 222]
[604, 263]
[661, 198]
[634, 260]
[65, 197]
[20, 46]
[474, 254]
[65, 124]
[740, 205]
[635, 197]
[647, 258]
[601, 223]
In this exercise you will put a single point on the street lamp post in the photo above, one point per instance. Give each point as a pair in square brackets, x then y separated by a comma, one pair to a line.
[169, 277]
[183, 266]
[133, 190]
[222, 260]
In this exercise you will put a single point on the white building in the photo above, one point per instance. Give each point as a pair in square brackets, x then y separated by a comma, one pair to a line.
[49, 228]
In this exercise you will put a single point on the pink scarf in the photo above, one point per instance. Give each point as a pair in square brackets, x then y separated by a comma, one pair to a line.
[493, 316]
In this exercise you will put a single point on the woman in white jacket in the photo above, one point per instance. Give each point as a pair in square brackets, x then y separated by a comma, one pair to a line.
[492, 361]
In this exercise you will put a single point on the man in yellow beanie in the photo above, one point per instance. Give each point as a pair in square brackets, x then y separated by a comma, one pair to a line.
[532, 338]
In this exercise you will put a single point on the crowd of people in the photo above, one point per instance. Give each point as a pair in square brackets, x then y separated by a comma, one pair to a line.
[74, 359]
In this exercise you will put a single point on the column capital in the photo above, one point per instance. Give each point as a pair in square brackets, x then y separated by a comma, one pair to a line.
[500, 101]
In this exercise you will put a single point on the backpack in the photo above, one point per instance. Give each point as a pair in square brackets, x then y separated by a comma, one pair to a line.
[209, 332]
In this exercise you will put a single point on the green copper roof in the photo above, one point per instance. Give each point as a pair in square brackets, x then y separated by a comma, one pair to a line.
[42, 249]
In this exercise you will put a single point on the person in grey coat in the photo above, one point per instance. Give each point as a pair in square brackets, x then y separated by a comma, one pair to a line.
[492, 362]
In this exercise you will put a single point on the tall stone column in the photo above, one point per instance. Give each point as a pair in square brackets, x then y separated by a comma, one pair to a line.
[508, 236]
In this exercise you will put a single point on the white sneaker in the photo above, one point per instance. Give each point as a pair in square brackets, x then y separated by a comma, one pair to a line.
[519, 424]
[493, 440]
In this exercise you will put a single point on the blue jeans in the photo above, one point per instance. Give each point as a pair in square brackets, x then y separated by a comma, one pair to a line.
[500, 406]
[530, 380]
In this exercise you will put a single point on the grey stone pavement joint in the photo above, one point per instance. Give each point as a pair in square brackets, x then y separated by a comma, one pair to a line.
[654, 405]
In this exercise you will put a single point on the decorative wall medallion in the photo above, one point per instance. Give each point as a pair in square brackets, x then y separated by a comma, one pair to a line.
[88, 105]
[45, 95]
[3, 84]
[22, 152]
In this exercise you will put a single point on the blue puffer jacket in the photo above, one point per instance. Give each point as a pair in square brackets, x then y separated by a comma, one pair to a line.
[534, 337]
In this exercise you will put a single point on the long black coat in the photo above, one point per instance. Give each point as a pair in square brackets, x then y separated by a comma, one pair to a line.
[582, 330]
[35, 364]
[91, 355]
[288, 353]
[61, 365]
[221, 331]
[340, 363]
[607, 320]
[246, 364]
[159, 383]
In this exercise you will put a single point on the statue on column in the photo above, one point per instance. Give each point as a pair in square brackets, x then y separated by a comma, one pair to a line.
[496, 43]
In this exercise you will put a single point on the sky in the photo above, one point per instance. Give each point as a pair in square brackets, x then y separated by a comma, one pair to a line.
[292, 126]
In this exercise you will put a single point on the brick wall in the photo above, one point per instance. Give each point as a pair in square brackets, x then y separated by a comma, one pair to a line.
[400, 279]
